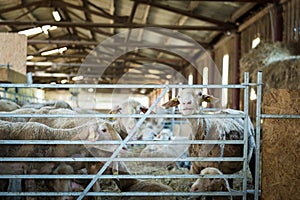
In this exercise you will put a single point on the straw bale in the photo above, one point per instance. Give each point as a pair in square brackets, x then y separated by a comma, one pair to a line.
[280, 68]
[281, 146]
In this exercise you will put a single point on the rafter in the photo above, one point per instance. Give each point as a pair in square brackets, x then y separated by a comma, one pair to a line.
[108, 25]
[187, 13]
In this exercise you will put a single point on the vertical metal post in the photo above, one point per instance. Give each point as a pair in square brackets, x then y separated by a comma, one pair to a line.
[246, 128]
[257, 139]
[173, 112]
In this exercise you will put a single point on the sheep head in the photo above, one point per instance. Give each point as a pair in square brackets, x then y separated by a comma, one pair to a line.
[210, 184]
[189, 101]
[128, 108]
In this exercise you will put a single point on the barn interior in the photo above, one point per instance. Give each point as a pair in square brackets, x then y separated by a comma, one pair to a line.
[94, 55]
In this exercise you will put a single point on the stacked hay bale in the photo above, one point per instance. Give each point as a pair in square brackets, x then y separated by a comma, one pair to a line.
[276, 60]
[281, 146]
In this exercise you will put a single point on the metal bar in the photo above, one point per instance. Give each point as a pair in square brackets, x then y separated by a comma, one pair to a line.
[114, 86]
[118, 150]
[257, 139]
[274, 116]
[246, 129]
[168, 142]
[236, 193]
[118, 115]
[146, 176]
[107, 159]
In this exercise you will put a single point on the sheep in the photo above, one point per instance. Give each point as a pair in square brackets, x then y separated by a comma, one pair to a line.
[138, 185]
[18, 111]
[189, 102]
[37, 131]
[126, 125]
[7, 105]
[49, 105]
[61, 123]
[211, 184]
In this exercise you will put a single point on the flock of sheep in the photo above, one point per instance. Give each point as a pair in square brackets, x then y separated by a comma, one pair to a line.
[95, 129]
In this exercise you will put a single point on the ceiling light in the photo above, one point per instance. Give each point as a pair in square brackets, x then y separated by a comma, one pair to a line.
[31, 31]
[54, 51]
[56, 15]
[154, 71]
[39, 64]
[29, 57]
[37, 30]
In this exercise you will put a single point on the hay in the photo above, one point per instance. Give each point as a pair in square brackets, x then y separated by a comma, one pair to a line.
[280, 146]
[280, 69]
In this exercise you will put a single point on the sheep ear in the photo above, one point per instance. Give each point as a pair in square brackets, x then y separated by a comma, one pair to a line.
[172, 103]
[208, 98]
[144, 109]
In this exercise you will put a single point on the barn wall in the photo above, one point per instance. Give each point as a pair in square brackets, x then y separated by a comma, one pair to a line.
[226, 46]
[291, 25]
[280, 146]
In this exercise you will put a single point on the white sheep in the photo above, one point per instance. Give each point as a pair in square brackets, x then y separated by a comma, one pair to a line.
[189, 102]
[125, 125]
[8, 105]
[37, 131]
[212, 184]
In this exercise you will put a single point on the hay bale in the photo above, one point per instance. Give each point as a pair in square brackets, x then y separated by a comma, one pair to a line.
[281, 146]
[261, 56]
[282, 74]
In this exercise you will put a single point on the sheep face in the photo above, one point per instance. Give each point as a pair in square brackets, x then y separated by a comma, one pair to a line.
[209, 184]
[106, 132]
[188, 102]
[128, 108]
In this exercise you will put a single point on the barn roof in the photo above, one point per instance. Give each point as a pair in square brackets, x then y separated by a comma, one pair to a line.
[110, 40]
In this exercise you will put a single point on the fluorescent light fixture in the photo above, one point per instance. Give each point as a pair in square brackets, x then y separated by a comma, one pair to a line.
[54, 51]
[39, 64]
[37, 30]
[29, 57]
[154, 71]
[32, 31]
[56, 15]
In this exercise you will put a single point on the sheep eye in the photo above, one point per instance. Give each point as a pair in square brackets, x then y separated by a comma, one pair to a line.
[104, 130]
[200, 93]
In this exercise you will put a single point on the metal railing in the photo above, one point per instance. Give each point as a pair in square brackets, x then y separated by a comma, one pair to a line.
[126, 141]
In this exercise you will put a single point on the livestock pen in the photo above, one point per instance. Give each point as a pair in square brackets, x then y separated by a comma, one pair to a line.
[176, 177]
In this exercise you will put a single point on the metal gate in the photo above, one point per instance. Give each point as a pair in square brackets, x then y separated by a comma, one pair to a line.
[114, 157]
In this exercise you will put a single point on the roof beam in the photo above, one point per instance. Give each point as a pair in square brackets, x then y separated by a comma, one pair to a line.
[187, 13]
[108, 25]
[24, 5]
[253, 1]
[115, 44]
